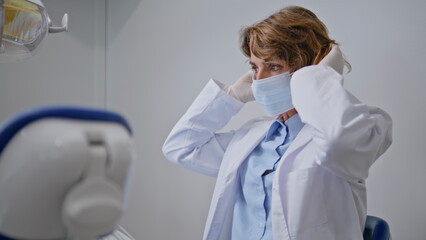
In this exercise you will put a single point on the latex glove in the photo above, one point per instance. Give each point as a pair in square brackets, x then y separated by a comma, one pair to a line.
[241, 89]
[334, 59]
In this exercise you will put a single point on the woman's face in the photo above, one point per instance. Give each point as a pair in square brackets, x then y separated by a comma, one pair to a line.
[264, 69]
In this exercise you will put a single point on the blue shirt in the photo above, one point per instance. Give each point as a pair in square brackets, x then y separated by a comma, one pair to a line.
[252, 219]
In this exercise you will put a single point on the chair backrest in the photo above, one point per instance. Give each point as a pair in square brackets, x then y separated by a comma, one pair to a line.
[63, 173]
[376, 229]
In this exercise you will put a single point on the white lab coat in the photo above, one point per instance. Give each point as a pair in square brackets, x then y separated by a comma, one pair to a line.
[318, 191]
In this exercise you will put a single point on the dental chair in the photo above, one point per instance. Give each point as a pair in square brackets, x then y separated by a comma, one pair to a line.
[376, 229]
[63, 173]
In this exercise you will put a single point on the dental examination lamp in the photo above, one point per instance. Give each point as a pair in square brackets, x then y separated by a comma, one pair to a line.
[63, 173]
[23, 26]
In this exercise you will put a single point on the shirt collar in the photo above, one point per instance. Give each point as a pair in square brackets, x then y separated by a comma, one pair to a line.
[273, 128]
[293, 126]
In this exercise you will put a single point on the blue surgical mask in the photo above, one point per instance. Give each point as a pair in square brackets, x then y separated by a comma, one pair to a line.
[273, 93]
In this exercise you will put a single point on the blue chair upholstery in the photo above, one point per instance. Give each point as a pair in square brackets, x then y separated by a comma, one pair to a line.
[376, 229]
[11, 126]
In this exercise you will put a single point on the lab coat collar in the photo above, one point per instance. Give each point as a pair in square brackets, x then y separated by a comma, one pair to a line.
[249, 142]
[334, 59]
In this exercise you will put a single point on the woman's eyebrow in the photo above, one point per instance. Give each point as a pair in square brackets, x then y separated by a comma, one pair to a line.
[266, 63]
[272, 62]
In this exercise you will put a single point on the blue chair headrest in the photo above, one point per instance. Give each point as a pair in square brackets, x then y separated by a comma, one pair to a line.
[11, 126]
[3, 237]
[376, 229]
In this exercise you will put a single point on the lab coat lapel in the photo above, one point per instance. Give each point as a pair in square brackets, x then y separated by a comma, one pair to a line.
[248, 142]
[280, 228]
[226, 189]
[304, 136]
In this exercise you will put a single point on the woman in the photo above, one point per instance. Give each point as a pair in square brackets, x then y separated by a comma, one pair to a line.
[300, 173]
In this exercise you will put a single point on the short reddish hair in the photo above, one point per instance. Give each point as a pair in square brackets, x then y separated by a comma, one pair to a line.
[294, 35]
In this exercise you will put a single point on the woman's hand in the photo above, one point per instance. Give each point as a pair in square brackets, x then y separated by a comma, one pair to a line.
[241, 89]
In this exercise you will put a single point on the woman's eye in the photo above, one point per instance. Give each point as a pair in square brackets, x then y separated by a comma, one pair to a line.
[275, 67]
[255, 69]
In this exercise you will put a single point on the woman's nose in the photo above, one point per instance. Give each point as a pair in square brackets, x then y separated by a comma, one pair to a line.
[261, 74]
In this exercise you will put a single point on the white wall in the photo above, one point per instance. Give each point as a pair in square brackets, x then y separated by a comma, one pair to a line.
[161, 53]
[68, 68]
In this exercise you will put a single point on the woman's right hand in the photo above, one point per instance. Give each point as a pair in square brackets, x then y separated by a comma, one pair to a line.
[241, 89]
